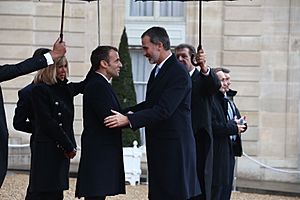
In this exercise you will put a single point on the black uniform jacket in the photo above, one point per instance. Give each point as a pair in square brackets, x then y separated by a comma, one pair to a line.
[23, 117]
[101, 169]
[53, 135]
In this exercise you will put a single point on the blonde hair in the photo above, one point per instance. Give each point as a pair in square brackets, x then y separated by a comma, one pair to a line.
[48, 75]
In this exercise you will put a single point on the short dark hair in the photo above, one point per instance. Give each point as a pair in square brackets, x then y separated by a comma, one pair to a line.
[192, 50]
[217, 69]
[224, 70]
[40, 51]
[158, 34]
[99, 54]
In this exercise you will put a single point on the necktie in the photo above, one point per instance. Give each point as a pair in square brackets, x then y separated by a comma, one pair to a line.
[156, 70]
[230, 111]
[230, 115]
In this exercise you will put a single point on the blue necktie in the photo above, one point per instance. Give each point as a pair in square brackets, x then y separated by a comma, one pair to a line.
[156, 70]
[230, 111]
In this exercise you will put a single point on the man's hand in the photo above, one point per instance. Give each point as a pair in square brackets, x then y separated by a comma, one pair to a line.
[71, 154]
[59, 49]
[116, 120]
[241, 123]
[241, 128]
[201, 59]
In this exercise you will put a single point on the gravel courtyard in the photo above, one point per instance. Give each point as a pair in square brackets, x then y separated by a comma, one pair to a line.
[15, 184]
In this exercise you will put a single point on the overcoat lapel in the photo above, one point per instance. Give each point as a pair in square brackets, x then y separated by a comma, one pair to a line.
[194, 75]
[112, 93]
[115, 98]
[153, 81]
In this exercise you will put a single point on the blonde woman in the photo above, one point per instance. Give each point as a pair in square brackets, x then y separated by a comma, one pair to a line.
[54, 143]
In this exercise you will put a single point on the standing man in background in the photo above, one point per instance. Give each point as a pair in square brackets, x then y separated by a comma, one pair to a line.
[8, 72]
[222, 129]
[236, 141]
[166, 116]
[204, 85]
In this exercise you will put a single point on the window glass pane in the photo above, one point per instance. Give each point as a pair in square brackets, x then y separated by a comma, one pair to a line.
[171, 9]
[141, 70]
[141, 8]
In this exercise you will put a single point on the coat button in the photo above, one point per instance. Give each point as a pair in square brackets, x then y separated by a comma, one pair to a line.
[60, 124]
[56, 103]
[59, 114]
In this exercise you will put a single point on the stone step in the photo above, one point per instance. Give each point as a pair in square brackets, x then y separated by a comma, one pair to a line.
[268, 187]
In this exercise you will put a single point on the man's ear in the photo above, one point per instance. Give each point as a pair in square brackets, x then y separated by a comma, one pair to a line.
[103, 64]
[193, 58]
[160, 45]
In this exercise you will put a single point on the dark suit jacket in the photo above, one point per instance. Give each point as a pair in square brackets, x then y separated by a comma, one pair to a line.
[8, 72]
[204, 86]
[170, 145]
[101, 170]
[237, 147]
[222, 129]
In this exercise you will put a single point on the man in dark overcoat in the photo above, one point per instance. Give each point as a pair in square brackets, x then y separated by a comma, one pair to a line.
[8, 72]
[204, 84]
[222, 128]
[236, 141]
[101, 169]
[166, 116]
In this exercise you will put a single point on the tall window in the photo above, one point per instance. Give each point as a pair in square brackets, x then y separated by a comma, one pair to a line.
[141, 70]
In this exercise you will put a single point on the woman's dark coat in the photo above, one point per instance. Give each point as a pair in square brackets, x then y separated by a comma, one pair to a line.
[53, 128]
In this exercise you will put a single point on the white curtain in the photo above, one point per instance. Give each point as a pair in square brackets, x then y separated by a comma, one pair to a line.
[140, 71]
[171, 9]
[166, 9]
[141, 8]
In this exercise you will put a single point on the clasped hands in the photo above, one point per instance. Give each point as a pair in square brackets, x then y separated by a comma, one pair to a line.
[71, 154]
[241, 124]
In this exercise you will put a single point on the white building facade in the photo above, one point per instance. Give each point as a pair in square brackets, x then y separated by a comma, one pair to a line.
[258, 40]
